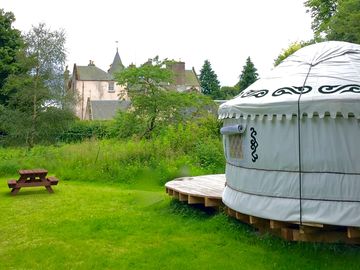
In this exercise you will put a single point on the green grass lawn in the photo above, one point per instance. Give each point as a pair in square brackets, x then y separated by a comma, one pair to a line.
[97, 226]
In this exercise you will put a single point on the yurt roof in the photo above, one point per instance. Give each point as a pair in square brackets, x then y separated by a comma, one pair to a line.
[323, 79]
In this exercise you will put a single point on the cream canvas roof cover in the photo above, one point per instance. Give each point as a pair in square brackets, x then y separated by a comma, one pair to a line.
[327, 74]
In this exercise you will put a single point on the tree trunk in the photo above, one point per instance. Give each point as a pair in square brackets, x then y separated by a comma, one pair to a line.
[31, 140]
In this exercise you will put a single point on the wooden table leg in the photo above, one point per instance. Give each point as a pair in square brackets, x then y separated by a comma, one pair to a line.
[49, 189]
[14, 191]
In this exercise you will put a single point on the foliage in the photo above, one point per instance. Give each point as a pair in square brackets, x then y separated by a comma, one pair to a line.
[186, 149]
[209, 82]
[49, 126]
[153, 104]
[345, 24]
[293, 47]
[35, 106]
[321, 12]
[248, 75]
[228, 92]
[335, 19]
[48, 48]
[332, 20]
[10, 44]
[176, 108]
[79, 131]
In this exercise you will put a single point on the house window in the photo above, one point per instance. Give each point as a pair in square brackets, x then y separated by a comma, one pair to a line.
[111, 86]
[235, 146]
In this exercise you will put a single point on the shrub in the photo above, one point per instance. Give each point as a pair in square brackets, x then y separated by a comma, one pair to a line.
[82, 130]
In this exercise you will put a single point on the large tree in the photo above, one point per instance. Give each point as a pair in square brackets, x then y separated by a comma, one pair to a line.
[345, 24]
[335, 19]
[153, 103]
[10, 44]
[248, 75]
[321, 12]
[209, 82]
[35, 107]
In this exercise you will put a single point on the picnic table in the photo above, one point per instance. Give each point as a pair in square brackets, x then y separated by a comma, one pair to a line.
[32, 178]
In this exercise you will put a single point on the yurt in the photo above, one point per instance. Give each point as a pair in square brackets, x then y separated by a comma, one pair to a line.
[292, 139]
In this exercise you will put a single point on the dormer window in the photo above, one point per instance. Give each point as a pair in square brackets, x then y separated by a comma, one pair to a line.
[111, 87]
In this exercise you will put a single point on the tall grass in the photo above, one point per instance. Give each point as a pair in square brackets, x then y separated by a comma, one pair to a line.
[174, 152]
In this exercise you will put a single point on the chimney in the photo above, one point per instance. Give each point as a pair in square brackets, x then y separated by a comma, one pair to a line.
[178, 68]
[91, 63]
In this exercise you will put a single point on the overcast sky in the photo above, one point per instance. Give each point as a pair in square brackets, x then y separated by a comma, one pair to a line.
[225, 32]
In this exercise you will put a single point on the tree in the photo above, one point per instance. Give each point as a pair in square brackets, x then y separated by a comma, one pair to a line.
[228, 92]
[293, 47]
[35, 106]
[332, 20]
[335, 19]
[345, 24]
[10, 44]
[248, 75]
[321, 12]
[153, 104]
[209, 83]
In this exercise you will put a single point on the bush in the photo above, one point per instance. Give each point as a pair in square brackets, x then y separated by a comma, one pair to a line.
[126, 125]
[82, 130]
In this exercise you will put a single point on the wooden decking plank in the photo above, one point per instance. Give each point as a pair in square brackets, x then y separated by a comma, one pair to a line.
[353, 232]
[275, 224]
[231, 212]
[242, 217]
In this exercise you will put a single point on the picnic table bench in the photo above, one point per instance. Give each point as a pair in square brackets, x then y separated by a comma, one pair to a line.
[32, 178]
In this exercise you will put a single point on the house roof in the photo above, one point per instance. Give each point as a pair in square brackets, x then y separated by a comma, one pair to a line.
[106, 109]
[91, 73]
[191, 79]
[116, 65]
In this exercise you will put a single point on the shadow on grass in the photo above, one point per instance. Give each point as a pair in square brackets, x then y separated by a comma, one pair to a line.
[27, 192]
[191, 210]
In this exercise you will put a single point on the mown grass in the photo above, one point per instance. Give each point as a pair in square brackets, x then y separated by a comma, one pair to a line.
[98, 226]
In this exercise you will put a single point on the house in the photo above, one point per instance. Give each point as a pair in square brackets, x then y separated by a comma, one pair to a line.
[99, 96]
[91, 83]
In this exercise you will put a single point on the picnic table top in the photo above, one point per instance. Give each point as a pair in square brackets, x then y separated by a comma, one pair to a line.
[33, 171]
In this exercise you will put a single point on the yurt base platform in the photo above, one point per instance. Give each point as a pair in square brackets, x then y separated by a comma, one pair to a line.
[207, 190]
[305, 232]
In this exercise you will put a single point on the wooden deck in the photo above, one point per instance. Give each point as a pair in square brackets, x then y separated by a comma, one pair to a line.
[306, 232]
[205, 189]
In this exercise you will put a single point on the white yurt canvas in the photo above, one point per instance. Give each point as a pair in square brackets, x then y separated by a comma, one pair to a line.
[292, 139]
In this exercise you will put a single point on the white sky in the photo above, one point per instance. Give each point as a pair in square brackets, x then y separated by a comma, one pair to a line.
[225, 32]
